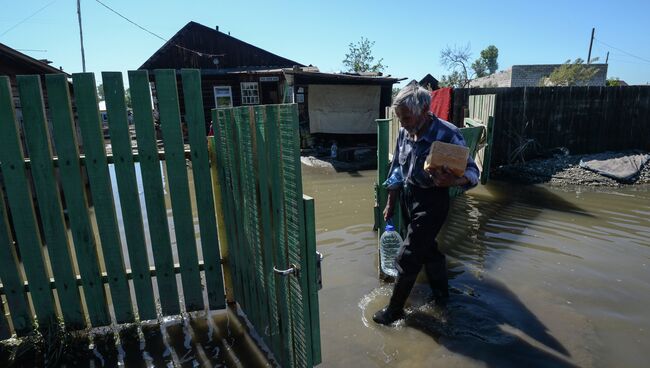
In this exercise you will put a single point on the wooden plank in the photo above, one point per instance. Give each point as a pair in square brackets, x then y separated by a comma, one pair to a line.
[219, 210]
[102, 194]
[247, 208]
[312, 269]
[295, 228]
[266, 236]
[170, 121]
[195, 119]
[21, 317]
[154, 197]
[75, 197]
[128, 193]
[225, 180]
[279, 235]
[49, 203]
[19, 195]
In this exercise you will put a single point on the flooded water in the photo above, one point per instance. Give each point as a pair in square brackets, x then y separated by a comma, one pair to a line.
[539, 276]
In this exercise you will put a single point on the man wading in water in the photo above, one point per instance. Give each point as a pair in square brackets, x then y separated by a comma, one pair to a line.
[424, 197]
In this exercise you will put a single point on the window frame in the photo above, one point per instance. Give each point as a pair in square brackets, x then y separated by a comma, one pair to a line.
[252, 99]
[214, 92]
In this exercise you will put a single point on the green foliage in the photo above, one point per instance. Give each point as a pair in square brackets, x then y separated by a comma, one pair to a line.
[359, 57]
[613, 82]
[454, 79]
[127, 97]
[100, 92]
[570, 74]
[489, 56]
[480, 69]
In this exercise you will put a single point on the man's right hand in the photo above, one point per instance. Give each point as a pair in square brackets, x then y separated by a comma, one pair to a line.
[388, 211]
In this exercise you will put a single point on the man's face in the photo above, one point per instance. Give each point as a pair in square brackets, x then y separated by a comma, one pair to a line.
[408, 120]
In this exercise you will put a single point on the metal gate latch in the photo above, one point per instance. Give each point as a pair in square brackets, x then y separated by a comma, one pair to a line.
[291, 270]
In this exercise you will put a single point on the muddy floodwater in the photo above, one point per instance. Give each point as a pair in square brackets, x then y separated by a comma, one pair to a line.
[539, 276]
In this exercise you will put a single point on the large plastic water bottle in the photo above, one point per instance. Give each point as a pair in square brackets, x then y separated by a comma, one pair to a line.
[389, 245]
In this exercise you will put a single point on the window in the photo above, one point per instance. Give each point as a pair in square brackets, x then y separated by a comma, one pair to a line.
[249, 93]
[222, 97]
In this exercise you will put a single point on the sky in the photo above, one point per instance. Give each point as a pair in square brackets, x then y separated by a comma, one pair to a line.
[408, 35]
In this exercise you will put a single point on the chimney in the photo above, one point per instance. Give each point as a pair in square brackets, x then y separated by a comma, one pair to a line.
[216, 28]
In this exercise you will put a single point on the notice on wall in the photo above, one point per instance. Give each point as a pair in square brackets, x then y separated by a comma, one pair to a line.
[342, 109]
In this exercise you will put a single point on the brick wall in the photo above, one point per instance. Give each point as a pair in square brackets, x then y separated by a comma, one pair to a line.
[530, 75]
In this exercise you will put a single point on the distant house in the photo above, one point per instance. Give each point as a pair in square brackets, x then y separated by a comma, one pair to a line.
[235, 73]
[530, 76]
[429, 81]
[14, 62]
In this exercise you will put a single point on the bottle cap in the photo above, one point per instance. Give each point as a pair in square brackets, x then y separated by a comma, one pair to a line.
[389, 227]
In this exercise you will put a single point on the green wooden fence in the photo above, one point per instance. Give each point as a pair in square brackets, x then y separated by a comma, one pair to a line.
[77, 268]
[269, 228]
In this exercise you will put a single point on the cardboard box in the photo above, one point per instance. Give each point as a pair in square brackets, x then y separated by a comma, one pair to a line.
[451, 155]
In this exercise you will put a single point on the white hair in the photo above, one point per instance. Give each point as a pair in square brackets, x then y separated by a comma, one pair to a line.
[413, 97]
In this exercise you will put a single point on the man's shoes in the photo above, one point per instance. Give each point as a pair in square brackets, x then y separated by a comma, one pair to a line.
[388, 315]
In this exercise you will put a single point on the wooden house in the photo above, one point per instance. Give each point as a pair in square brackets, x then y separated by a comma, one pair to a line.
[233, 72]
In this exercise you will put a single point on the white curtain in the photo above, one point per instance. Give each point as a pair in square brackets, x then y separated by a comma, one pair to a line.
[343, 109]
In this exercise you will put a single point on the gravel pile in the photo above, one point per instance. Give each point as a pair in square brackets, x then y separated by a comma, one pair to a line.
[561, 171]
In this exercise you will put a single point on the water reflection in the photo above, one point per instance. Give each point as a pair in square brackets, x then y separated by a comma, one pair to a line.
[540, 277]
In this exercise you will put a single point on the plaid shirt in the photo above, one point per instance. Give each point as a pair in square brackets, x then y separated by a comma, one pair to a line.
[410, 155]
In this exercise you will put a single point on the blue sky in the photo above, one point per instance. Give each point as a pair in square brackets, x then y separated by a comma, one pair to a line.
[408, 35]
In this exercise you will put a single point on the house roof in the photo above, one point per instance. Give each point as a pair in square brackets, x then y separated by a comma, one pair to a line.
[342, 78]
[198, 46]
[14, 62]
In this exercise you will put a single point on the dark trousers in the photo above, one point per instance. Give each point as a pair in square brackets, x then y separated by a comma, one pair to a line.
[424, 211]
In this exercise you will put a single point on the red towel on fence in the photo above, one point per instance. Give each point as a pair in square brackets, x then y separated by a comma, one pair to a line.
[441, 103]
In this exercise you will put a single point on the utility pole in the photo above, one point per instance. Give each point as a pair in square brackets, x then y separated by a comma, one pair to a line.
[81, 37]
[591, 44]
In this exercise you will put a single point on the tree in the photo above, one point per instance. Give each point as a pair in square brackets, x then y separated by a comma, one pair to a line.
[613, 82]
[127, 97]
[570, 74]
[455, 79]
[456, 60]
[489, 56]
[360, 59]
[100, 92]
[480, 69]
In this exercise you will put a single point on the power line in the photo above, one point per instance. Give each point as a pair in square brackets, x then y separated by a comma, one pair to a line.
[199, 53]
[28, 18]
[623, 51]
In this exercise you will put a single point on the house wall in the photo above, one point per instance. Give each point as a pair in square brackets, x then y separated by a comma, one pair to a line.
[498, 79]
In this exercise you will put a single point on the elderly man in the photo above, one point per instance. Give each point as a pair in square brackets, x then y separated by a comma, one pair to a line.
[424, 197]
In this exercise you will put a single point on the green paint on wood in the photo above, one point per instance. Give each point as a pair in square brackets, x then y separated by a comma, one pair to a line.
[75, 197]
[100, 184]
[179, 188]
[20, 203]
[279, 232]
[153, 192]
[312, 274]
[128, 193]
[49, 203]
[487, 156]
[10, 276]
[264, 190]
[195, 119]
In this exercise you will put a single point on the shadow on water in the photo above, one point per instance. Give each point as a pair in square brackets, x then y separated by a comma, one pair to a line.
[486, 321]
[490, 325]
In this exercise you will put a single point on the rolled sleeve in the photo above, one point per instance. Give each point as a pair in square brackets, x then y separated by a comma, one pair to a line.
[472, 172]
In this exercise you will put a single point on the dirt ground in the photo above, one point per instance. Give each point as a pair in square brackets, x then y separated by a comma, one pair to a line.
[562, 171]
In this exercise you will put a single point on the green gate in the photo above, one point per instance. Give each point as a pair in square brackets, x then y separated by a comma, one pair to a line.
[61, 255]
[274, 262]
